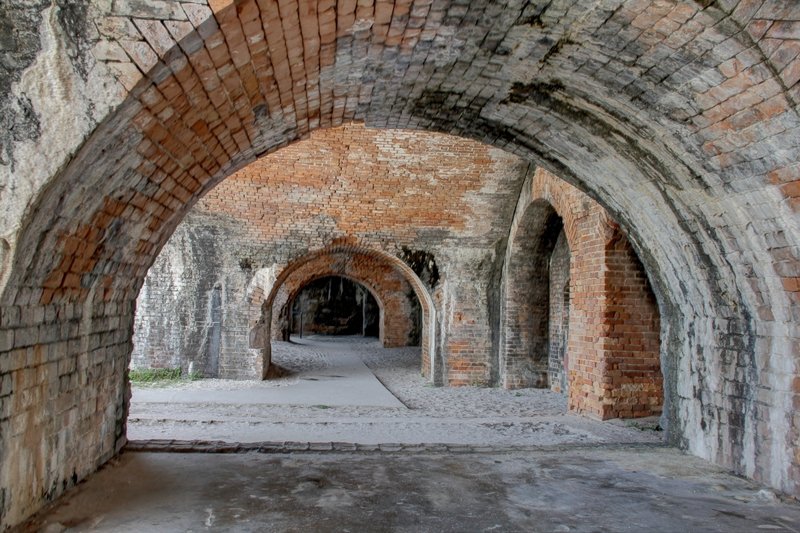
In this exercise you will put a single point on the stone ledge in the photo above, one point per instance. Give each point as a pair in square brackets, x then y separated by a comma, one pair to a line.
[222, 447]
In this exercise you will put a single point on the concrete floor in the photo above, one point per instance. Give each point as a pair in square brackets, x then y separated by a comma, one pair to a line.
[345, 382]
[352, 390]
[593, 489]
[536, 469]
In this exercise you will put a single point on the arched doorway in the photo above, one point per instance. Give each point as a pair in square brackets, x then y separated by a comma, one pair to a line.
[576, 293]
[192, 103]
[333, 305]
[407, 314]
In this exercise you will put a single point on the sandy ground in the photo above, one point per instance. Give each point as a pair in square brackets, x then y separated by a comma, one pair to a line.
[330, 396]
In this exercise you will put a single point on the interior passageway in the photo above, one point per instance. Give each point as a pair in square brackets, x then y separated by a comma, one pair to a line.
[352, 390]
[438, 132]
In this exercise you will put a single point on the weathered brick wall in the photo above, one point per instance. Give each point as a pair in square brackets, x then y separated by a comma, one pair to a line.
[632, 333]
[380, 189]
[612, 348]
[680, 117]
[463, 301]
[192, 308]
[558, 356]
[189, 310]
[386, 189]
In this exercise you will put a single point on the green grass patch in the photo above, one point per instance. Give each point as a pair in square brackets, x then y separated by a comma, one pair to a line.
[159, 375]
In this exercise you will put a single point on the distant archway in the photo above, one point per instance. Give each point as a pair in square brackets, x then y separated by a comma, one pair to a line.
[332, 306]
[388, 277]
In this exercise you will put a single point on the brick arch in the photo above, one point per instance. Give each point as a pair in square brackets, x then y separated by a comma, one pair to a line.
[386, 276]
[613, 335]
[685, 137]
[546, 206]
[280, 318]
[524, 349]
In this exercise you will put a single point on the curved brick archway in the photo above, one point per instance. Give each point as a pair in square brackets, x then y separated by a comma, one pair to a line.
[613, 334]
[678, 117]
[524, 354]
[281, 326]
[387, 277]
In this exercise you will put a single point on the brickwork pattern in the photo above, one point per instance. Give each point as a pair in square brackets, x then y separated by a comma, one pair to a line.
[193, 307]
[558, 356]
[679, 116]
[613, 336]
[465, 332]
[390, 288]
[384, 189]
[632, 333]
[524, 352]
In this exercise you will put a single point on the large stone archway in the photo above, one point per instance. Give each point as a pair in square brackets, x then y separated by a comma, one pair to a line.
[679, 117]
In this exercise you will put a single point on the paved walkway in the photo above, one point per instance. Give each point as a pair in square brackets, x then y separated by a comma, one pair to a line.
[589, 490]
[344, 381]
[351, 390]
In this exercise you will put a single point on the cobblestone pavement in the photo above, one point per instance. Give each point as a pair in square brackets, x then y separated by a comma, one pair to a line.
[468, 416]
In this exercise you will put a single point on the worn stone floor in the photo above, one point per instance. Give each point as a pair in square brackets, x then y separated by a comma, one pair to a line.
[351, 390]
[603, 489]
[355, 440]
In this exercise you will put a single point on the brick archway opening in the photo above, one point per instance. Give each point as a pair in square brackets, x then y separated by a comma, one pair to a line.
[399, 292]
[526, 358]
[579, 313]
[349, 308]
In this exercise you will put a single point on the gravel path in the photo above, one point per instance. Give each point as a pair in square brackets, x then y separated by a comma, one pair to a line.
[463, 415]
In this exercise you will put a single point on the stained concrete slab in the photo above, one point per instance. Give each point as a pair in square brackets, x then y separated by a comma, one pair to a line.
[597, 489]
